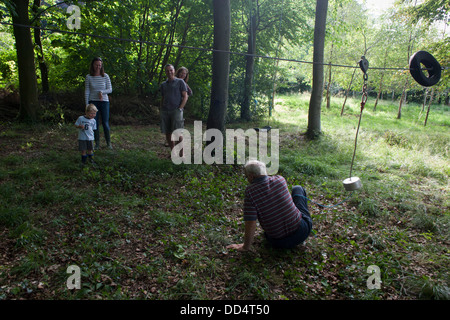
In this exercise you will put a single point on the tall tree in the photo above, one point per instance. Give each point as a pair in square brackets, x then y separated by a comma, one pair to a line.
[40, 52]
[174, 20]
[314, 125]
[266, 24]
[250, 60]
[220, 65]
[25, 61]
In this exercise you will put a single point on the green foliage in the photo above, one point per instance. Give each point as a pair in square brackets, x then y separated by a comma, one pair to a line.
[429, 10]
[136, 38]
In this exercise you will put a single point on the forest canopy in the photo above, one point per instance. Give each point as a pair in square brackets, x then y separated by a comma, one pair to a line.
[136, 38]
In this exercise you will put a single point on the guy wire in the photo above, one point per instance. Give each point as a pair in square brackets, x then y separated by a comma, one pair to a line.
[196, 48]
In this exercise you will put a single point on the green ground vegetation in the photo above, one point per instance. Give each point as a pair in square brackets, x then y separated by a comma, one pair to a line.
[140, 227]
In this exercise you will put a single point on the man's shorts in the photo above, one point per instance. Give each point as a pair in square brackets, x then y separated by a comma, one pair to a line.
[171, 120]
[85, 145]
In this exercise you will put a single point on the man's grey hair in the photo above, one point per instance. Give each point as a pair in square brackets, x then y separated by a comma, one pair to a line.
[255, 168]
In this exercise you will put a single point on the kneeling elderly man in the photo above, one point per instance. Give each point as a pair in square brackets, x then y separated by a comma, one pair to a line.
[285, 218]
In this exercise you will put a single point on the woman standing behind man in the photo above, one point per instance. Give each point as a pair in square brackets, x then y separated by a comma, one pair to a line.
[183, 73]
[97, 88]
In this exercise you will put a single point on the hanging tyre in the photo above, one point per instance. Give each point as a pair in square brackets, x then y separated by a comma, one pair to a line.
[432, 66]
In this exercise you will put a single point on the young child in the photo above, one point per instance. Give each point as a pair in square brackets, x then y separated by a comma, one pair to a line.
[86, 125]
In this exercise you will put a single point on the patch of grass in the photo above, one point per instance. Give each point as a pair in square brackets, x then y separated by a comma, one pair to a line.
[140, 227]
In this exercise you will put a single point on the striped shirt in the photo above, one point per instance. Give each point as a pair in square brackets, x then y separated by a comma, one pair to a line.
[268, 199]
[94, 84]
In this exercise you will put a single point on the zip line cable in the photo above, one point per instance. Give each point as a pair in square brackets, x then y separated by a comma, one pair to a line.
[198, 48]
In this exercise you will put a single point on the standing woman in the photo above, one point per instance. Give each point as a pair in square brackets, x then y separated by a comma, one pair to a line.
[183, 73]
[97, 88]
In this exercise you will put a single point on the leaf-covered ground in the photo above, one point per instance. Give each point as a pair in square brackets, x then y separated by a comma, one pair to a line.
[140, 227]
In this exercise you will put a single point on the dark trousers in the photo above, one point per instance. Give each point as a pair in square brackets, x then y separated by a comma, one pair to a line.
[103, 112]
[303, 231]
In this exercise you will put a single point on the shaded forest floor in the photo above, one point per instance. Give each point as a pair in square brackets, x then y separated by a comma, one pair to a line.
[140, 227]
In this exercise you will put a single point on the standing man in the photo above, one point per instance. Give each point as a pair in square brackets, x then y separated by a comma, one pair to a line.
[285, 218]
[174, 98]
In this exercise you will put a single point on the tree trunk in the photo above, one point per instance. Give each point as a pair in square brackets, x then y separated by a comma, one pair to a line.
[348, 90]
[156, 61]
[429, 106]
[25, 61]
[329, 79]
[183, 40]
[314, 128]
[220, 65]
[380, 90]
[143, 25]
[425, 96]
[171, 36]
[40, 53]
[402, 100]
[249, 69]
[274, 88]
